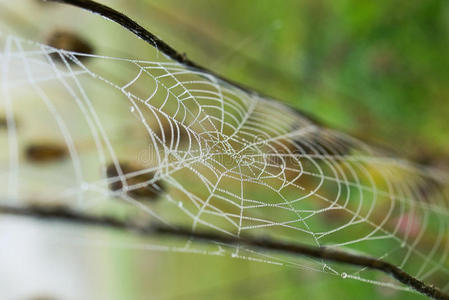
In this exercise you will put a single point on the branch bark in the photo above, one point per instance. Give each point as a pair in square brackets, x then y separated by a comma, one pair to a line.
[155, 229]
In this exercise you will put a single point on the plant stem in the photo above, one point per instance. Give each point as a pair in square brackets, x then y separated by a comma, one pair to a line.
[160, 45]
[157, 229]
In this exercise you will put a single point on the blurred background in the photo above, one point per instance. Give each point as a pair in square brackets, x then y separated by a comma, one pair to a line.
[378, 70]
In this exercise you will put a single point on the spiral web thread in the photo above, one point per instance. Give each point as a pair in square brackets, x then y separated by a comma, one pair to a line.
[228, 161]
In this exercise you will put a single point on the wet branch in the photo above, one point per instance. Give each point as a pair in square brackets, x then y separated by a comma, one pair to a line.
[155, 229]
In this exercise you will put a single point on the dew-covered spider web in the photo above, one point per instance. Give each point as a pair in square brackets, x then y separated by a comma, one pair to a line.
[158, 141]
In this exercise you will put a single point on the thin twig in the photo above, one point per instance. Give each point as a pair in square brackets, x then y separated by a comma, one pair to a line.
[144, 34]
[67, 215]
[160, 45]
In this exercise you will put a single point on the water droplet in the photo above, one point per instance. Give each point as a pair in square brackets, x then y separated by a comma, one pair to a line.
[344, 275]
[132, 109]
[180, 204]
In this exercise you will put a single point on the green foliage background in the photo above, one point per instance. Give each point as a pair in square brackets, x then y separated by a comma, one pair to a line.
[378, 70]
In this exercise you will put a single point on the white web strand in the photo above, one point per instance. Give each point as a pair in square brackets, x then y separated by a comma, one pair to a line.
[230, 162]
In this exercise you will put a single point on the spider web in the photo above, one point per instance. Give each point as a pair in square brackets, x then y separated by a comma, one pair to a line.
[221, 159]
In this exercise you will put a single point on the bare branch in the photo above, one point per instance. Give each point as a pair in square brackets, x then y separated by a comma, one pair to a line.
[142, 33]
[160, 45]
[154, 229]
